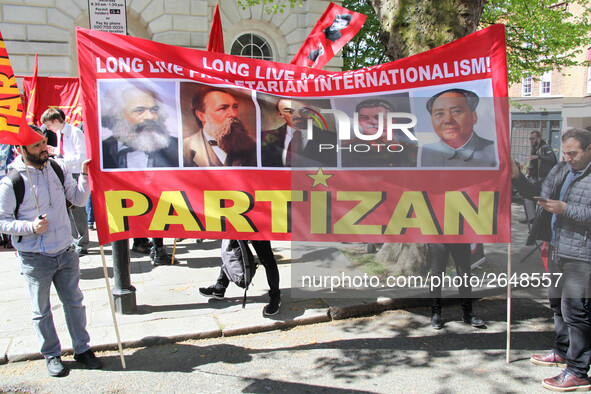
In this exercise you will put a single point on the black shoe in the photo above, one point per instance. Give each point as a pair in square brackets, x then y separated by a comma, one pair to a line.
[89, 359]
[473, 320]
[212, 292]
[55, 366]
[436, 321]
[141, 248]
[272, 307]
[160, 257]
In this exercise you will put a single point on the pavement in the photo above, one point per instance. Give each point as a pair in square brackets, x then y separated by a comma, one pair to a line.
[170, 308]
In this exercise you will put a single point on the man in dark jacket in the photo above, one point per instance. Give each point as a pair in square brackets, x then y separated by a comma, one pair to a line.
[563, 218]
[541, 161]
[541, 157]
[290, 146]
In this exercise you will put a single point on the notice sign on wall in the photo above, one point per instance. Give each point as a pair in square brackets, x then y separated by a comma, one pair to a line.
[108, 15]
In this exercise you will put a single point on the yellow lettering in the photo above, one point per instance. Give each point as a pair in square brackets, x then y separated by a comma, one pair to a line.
[368, 202]
[8, 85]
[9, 107]
[459, 208]
[417, 203]
[217, 213]
[319, 213]
[280, 204]
[174, 208]
[118, 211]
[6, 127]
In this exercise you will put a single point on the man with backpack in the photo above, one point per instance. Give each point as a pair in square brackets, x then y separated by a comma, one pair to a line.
[37, 218]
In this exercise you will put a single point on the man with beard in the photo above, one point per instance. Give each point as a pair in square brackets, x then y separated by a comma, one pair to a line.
[223, 139]
[140, 138]
[289, 145]
[45, 251]
[71, 149]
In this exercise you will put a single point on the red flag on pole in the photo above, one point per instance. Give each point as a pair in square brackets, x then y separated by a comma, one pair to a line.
[14, 129]
[54, 92]
[335, 28]
[31, 96]
[216, 35]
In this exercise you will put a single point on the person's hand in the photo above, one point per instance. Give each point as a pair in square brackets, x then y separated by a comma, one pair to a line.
[514, 170]
[553, 206]
[40, 224]
[533, 157]
[84, 170]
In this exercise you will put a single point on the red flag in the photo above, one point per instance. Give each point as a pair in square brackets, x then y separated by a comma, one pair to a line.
[545, 255]
[216, 35]
[31, 96]
[55, 92]
[14, 129]
[335, 28]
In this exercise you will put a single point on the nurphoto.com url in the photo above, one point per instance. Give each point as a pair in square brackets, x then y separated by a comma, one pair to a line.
[486, 280]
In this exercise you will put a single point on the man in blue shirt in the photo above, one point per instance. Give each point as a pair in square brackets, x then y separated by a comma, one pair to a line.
[45, 250]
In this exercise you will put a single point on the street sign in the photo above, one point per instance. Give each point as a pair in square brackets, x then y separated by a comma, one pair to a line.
[108, 15]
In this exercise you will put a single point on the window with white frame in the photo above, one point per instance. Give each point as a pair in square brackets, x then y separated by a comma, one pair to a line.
[589, 80]
[526, 85]
[545, 83]
[253, 46]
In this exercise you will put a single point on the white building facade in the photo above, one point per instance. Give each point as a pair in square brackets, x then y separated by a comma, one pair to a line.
[47, 27]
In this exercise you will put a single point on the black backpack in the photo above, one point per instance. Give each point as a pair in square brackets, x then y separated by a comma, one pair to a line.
[18, 185]
[238, 263]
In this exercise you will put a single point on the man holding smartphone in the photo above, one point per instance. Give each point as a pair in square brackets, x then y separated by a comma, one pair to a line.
[40, 230]
[564, 220]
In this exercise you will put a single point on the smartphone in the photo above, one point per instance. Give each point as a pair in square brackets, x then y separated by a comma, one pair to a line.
[538, 198]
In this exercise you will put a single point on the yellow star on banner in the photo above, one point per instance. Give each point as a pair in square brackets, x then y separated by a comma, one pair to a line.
[320, 178]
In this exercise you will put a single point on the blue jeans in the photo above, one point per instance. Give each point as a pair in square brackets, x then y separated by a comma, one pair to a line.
[89, 211]
[63, 270]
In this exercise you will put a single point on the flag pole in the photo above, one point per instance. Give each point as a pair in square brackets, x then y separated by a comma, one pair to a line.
[112, 307]
[508, 351]
[173, 250]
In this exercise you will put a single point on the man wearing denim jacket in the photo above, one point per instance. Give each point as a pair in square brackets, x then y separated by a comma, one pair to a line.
[45, 252]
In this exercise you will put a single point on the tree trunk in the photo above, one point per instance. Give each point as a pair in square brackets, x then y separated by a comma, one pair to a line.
[410, 27]
[414, 26]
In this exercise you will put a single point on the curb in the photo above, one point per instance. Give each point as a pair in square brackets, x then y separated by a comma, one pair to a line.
[330, 313]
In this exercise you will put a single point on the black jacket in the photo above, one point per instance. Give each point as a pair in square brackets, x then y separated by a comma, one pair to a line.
[573, 227]
[113, 158]
[539, 168]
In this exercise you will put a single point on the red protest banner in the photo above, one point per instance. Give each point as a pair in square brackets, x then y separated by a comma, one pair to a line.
[53, 92]
[335, 28]
[193, 144]
[14, 129]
